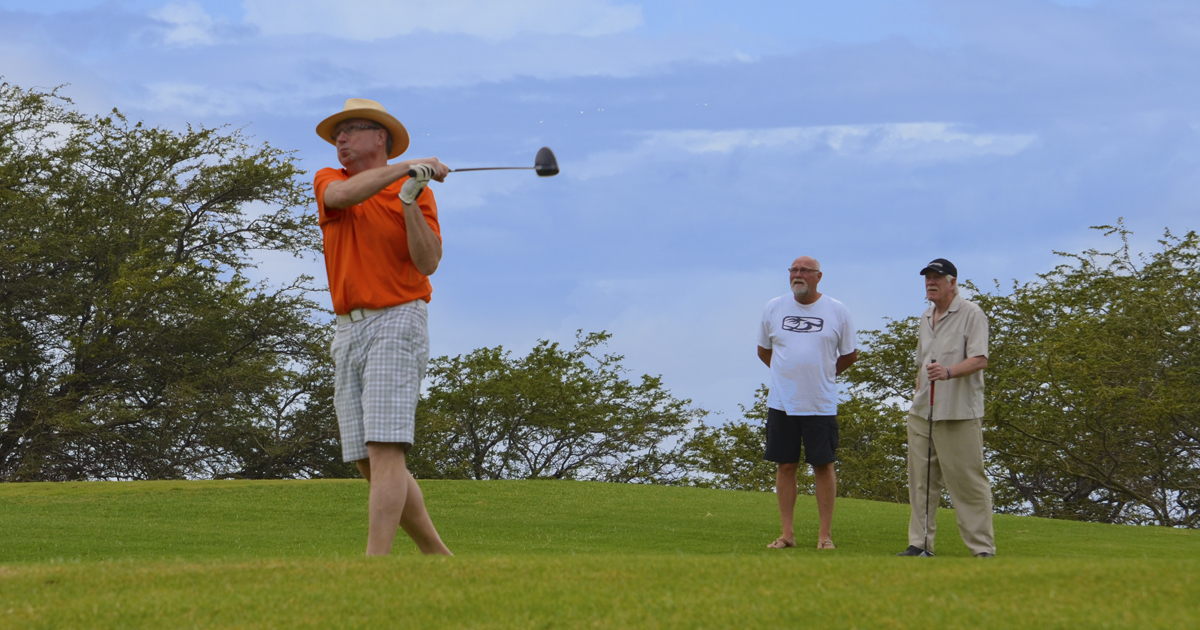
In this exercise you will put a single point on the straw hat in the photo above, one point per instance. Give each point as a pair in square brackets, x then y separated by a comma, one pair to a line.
[370, 110]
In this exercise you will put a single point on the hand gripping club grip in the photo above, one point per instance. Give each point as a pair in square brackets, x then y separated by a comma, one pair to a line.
[421, 171]
[418, 176]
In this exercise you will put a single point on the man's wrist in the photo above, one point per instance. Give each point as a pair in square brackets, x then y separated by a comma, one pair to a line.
[948, 375]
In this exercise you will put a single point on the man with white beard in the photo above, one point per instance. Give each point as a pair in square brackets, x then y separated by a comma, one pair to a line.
[806, 339]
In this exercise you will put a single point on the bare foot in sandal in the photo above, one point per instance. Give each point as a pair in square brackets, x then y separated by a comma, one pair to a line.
[825, 544]
[782, 543]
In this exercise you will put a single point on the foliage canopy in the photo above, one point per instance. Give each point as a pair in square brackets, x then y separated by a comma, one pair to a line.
[1095, 410]
[1093, 386]
[132, 344]
[555, 413]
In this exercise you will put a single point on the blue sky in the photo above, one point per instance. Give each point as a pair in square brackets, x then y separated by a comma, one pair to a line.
[703, 145]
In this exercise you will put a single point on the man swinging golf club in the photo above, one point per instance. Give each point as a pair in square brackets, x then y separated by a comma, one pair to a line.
[382, 242]
[945, 441]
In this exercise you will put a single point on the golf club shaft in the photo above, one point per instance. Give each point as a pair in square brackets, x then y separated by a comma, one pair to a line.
[494, 168]
[928, 462]
[544, 163]
[413, 173]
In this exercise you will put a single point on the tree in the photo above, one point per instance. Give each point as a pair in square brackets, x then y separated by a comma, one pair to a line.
[730, 456]
[870, 457]
[555, 413]
[1094, 397]
[1092, 403]
[132, 345]
[873, 450]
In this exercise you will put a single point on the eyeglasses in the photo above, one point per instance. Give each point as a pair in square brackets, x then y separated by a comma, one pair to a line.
[804, 270]
[352, 128]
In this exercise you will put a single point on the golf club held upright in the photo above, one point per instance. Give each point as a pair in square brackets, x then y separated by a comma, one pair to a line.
[925, 552]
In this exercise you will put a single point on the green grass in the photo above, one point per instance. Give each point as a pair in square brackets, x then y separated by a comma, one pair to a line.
[555, 554]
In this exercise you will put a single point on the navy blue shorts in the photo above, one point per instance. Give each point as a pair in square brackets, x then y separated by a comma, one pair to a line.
[785, 434]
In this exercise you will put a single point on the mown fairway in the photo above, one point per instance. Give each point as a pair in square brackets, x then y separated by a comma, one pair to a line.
[554, 554]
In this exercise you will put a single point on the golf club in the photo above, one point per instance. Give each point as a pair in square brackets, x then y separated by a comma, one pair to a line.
[925, 552]
[545, 164]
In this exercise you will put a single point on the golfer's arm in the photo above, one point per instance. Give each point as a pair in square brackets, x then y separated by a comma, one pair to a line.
[363, 186]
[424, 247]
[968, 366]
[845, 361]
[367, 184]
[764, 355]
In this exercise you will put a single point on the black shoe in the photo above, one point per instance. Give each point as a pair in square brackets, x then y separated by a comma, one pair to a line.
[914, 551]
[984, 554]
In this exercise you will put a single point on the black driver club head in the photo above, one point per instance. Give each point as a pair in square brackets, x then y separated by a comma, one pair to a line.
[545, 164]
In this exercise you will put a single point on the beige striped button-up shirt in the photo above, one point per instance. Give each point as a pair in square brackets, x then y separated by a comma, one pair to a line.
[962, 332]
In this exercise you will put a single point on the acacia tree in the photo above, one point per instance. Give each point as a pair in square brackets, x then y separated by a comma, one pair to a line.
[1094, 400]
[555, 413]
[133, 345]
[870, 458]
[730, 456]
[1093, 387]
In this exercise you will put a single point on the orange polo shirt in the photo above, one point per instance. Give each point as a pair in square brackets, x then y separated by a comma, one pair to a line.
[366, 247]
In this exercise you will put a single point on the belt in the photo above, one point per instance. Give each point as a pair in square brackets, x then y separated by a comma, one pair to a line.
[359, 314]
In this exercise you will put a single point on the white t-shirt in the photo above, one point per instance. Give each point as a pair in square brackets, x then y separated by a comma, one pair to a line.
[805, 343]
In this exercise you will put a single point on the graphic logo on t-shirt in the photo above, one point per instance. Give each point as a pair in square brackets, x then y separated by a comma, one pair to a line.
[803, 324]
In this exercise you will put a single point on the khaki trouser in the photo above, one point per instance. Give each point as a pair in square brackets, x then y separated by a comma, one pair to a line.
[958, 461]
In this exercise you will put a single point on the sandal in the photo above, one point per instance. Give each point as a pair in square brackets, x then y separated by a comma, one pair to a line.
[825, 544]
[781, 543]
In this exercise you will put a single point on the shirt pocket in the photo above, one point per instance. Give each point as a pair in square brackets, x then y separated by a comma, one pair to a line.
[950, 353]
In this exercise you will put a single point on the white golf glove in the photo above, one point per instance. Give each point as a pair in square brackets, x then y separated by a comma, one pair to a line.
[418, 176]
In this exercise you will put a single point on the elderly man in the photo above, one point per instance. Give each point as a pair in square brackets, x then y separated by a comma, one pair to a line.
[807, 339]
[382, 242]
[952, 350]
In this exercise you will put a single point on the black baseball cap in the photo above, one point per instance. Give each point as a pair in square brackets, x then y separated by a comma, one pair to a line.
[942, 266]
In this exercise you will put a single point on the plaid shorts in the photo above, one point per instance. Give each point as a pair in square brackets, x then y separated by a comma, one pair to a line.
[378, 366]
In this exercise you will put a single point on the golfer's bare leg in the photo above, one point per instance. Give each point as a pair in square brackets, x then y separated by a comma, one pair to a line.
[826, 489]
[414, 519]
[364, 467]
[785, 492]
[389, 491]
[418, 525]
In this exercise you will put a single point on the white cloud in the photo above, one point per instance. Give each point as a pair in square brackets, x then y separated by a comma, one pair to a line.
[894, 140]
[293, 72]
[891, 142]
[200, 100]
[189, 24]
[377, 19]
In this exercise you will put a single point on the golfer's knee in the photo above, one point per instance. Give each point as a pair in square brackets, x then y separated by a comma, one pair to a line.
[825, 476]
[364, 467]
[788, 469]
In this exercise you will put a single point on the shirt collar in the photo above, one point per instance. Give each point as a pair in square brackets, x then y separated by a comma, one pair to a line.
[955, 304]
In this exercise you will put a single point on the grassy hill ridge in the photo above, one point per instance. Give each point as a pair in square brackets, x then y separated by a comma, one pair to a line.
[301, 519]
[286, 554]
